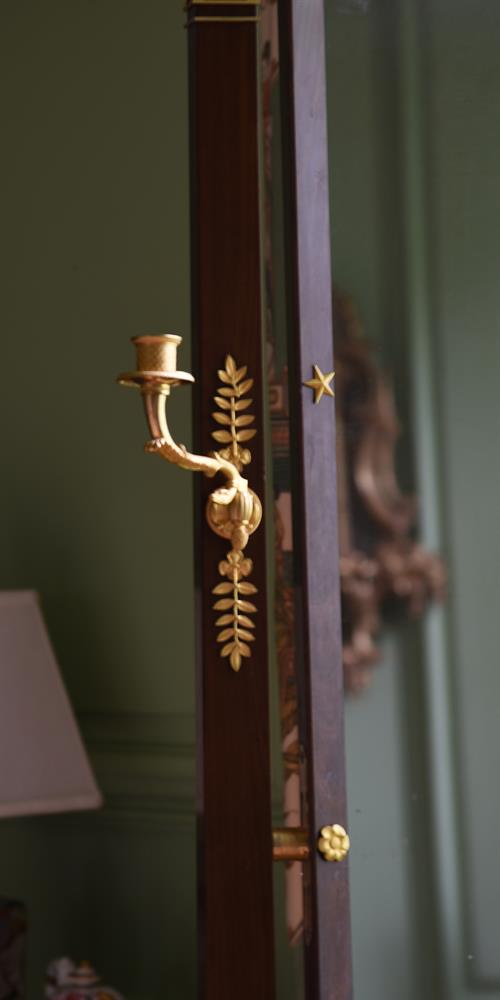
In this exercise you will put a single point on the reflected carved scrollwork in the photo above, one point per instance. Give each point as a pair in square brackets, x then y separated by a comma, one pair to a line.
[381, 563]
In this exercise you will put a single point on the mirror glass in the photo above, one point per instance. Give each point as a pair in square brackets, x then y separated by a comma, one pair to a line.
[414, 101]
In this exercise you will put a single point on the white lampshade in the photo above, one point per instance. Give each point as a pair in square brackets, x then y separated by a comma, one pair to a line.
[43, 764]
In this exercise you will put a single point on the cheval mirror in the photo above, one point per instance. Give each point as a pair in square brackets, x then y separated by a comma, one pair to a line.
[291, 208]
[237, 843]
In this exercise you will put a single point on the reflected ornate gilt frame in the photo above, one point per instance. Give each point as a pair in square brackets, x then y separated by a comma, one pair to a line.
[382, 565]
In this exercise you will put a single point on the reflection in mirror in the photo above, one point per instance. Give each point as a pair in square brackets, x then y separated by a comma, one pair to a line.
[414, 148]
[381, 565]
[414, 102]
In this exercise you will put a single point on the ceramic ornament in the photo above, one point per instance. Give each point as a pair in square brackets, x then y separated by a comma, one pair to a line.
[67, 981]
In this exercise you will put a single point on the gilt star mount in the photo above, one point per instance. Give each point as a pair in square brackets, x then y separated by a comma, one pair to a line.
[320, 384]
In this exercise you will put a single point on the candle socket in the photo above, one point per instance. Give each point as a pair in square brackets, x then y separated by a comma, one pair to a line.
[156, 363]
[158, 353]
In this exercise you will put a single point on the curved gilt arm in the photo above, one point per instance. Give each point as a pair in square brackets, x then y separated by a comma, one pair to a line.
[163, 444]
[234, 511]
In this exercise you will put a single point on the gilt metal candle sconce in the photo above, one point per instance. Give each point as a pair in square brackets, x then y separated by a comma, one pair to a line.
[233, 511]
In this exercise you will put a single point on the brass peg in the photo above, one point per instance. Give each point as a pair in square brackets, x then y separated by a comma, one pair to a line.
[333, 843]
[290, 843]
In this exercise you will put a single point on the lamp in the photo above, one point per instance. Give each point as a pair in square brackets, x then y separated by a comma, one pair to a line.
[43, 763]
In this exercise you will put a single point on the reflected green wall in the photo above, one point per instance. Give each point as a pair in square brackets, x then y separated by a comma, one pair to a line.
[394, 930]
[415, 147]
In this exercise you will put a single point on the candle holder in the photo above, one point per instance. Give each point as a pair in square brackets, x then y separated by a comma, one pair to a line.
[233, 511]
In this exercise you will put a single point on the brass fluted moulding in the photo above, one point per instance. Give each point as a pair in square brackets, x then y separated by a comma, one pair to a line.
[233, 511]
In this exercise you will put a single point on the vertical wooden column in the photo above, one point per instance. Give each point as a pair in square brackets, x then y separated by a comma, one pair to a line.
[234, 798]
[302, 62]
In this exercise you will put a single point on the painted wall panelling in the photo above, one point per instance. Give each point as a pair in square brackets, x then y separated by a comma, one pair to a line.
[94, 249]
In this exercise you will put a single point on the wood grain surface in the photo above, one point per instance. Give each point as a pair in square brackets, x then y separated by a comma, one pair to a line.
[234, 796]
[302, 60]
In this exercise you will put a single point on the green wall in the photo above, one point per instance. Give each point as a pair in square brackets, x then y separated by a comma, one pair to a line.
[94, 250]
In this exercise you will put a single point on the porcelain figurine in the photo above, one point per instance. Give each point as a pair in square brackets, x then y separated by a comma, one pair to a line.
[67, 981]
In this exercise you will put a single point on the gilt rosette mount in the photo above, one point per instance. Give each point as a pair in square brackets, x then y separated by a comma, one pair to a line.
[233, 510]
[333, 843]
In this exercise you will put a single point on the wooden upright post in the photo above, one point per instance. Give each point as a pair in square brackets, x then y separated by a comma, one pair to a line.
[234, 795]
[302, 71]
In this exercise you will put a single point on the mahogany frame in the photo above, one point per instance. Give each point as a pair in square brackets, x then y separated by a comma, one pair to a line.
[236, 917]
[234, 795]
[307, 215]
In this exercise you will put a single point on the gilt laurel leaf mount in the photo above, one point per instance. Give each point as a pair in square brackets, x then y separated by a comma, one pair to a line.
[234, 431]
